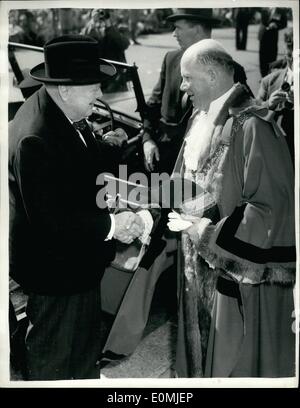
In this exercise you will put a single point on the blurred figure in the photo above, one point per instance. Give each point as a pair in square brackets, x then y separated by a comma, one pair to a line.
[134, 18]
[242, 19]
[168, 107]
[28, 25]
[16, 33]
[151, 22]
[112, 43]
[67, 19]
[272, 20]
[45, 29]
[277, 92]
[94, 28]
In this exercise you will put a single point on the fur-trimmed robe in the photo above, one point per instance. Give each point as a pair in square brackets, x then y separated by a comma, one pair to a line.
[251, 237]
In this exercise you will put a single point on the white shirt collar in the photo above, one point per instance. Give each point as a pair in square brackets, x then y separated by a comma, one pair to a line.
[217, 104]
[199, 136]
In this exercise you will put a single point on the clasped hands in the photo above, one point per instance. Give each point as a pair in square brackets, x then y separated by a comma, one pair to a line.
[117, 137]
[129, 226]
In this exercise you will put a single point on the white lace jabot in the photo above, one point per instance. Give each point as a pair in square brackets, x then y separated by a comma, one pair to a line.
[199, 137]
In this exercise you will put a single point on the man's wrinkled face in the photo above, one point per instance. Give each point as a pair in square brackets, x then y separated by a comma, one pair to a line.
[81, 100]
[195, 82]
[187, 34]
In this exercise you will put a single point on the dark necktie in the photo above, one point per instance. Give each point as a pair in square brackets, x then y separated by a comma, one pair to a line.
[86, 133]
[91, 143]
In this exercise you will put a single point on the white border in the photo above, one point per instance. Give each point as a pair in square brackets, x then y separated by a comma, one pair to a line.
[4, 227]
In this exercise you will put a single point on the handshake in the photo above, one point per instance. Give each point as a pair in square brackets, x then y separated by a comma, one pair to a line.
[129, 226]
[117, 137]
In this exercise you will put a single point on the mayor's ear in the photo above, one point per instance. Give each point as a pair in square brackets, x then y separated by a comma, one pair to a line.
[212, 75]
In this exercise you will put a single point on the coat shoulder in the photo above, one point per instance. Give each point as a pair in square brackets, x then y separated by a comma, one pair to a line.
[273, 77]
[173, 55]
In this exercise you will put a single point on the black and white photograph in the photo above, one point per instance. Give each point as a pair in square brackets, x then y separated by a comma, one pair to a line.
[149, 208]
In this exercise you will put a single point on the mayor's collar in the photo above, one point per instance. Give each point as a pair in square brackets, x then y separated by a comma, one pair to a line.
[214, 105]
[236, 98]
[218, 103]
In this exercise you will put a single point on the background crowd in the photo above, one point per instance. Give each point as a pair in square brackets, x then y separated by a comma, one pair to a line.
[117, 29]
[36, 27]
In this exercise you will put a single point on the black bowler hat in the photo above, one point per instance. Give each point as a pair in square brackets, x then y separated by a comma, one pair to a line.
[201, 15]
[72, 60]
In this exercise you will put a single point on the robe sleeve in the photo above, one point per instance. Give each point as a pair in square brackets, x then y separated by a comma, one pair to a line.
[258, 236]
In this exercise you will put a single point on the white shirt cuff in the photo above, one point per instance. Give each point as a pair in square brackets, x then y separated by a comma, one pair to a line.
[112, 228]
[148, 222]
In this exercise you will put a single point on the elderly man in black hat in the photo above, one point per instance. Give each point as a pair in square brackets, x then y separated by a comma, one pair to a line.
[60, 240]
[168, 107]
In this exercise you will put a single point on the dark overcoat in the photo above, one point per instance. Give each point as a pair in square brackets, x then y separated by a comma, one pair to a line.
[57, 232]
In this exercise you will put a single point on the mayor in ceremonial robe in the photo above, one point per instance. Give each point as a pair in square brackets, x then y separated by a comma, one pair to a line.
[238, 242]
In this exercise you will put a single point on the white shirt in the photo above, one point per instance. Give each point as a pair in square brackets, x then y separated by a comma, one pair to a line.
[199, 137]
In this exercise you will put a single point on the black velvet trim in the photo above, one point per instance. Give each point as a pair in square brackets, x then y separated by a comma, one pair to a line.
[252, 253]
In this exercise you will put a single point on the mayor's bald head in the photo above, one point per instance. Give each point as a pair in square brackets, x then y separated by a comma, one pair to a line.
[209, 53]
[207, 71]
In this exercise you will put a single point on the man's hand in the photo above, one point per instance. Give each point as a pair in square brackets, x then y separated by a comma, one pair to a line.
[276, 98]
[186, 224]
[273, 26]
[116, 137]
[150, 152]
[181, 222]
[129, 226]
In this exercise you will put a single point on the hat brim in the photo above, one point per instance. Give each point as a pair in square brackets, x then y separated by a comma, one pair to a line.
[28, 83]
[193, 17]
[106, 70]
